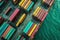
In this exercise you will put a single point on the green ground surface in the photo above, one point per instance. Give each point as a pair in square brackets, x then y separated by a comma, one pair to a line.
[50, 29]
